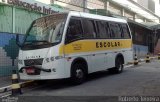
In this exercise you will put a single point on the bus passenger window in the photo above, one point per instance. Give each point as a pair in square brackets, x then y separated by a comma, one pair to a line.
[102, 29]
[125, 29]
[74, 30]
[108, 32]
[116, 31]
[112, 30]
[89, 28]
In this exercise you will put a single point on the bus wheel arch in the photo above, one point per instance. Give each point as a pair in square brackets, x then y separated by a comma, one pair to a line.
[79, 70]
[120, 56]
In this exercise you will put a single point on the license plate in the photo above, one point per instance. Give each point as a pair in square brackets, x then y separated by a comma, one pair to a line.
[30, 71]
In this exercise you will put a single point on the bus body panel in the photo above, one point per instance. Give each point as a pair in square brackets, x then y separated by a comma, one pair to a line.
[100, 54]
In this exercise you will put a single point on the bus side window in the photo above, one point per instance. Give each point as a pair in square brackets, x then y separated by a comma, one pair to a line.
[89, 28]
[74, 30]
[115, 30]
[125, 29]
[102, 29]
[108, 32]
[112, 30]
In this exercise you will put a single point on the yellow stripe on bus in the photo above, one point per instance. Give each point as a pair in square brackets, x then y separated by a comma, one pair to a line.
[92, 46]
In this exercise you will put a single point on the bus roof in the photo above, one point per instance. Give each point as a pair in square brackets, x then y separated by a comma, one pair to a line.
[91, 16]
[98, 17]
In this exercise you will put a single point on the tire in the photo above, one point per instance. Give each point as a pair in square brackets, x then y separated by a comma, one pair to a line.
[78, 74]
[118, 66]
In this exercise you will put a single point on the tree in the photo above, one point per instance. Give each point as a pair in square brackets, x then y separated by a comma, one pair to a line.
[12, 50]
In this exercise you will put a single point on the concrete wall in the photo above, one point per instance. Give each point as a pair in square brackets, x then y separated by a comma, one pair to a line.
[8, 53]
[157, 48]
[144, 3]
[69, 5]
[140, 50]
[151, 5]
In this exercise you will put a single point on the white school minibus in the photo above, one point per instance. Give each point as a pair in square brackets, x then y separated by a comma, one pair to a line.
[73, 45]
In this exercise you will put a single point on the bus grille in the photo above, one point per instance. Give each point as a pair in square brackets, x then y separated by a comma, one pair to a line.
[32, 62]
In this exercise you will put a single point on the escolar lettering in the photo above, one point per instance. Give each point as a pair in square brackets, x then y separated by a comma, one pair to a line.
[107, 44]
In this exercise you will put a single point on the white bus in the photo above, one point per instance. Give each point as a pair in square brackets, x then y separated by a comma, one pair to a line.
[72, 45]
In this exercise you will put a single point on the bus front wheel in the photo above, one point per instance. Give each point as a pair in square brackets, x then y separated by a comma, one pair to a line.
[78, 74]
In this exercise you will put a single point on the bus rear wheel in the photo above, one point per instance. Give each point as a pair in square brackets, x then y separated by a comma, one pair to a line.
[78, 74]
[118, 66]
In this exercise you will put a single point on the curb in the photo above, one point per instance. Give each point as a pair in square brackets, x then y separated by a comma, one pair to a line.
[22, 84]
[27, 83]
[141, 60]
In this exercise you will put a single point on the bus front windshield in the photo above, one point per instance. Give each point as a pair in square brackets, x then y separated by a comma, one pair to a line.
[46, 30]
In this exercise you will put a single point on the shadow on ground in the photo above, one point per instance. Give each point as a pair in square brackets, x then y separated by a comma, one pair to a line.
[66, 83]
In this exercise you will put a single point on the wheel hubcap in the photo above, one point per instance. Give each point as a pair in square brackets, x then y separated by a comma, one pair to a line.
[120, 67]
[79, 73]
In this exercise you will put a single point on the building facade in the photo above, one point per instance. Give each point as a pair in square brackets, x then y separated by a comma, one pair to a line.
[138, 10]
[152, 5]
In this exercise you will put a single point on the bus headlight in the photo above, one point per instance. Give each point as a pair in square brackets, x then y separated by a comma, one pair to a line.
[47, 60]
[50, 59]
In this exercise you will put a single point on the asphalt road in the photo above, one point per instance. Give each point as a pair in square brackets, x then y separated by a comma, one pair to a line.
[142, 80]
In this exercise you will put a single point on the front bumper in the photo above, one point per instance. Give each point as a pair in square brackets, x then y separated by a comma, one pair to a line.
[35, 67]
